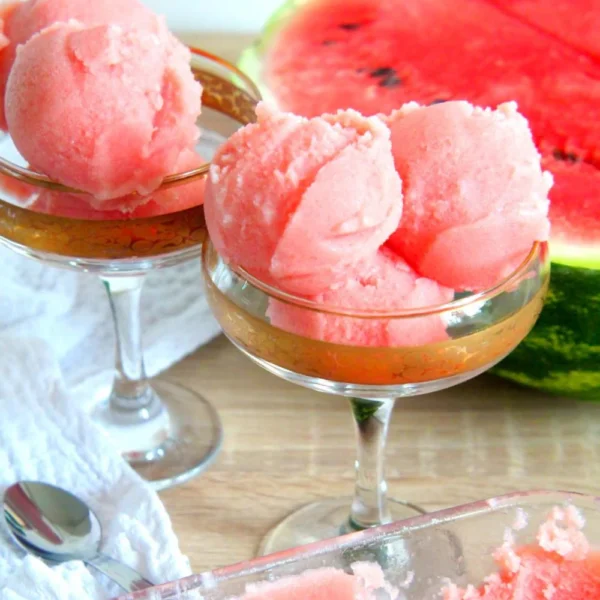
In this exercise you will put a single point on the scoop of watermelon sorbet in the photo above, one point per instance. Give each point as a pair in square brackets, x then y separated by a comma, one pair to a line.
[383, 282]
[475, 195]
[104, 109]
[24, 19]
[297, 202]
[161, 202]
[560, 566]
[326, 583]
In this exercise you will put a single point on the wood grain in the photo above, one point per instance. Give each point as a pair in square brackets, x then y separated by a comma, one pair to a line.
[285, 445]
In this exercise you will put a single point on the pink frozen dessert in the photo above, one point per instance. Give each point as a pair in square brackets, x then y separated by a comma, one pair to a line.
[364, 583]
[24, 19]
[383, 282]
[298, 202]
[561, 566]
[324, 584]
[105, 109]
[475, 196]
[161, 202]
[305, 205]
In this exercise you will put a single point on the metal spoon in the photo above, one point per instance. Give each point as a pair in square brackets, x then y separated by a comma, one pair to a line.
[56, 526]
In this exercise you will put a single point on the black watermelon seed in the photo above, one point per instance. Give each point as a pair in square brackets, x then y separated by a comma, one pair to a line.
[437, 101]
[566, 156]
[391, 81]
[350, 26]
[328, 42]
[382, 72]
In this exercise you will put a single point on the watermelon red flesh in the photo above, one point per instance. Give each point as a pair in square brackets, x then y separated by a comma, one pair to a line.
[382, 53]
[574, 210]
[573, 23]
[375, 55]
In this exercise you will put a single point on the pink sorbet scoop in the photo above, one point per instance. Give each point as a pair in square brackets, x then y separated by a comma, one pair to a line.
[161, 202]
[297, 202]
[24, 19]
[104, 109]
[475, 197]
[326, 583]
[560, 566]
[381, 283]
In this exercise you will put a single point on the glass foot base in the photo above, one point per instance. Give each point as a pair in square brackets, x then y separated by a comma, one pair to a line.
[175, 445]
[322, 520]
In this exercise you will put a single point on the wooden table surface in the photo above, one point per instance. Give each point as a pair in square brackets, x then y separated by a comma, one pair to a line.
[285, 446]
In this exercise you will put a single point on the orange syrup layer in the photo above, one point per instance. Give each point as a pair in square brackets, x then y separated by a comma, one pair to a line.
[363, 365]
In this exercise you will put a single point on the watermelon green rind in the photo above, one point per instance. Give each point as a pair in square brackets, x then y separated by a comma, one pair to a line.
[251, 59]
[364, 409]
[573, 255]
[278, 18]
[562, 353]
[250, 62]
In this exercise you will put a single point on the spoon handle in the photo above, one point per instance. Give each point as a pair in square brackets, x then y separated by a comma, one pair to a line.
[126, 577]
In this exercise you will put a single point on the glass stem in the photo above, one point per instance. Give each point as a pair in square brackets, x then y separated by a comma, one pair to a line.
[372, 419]
[132, 399]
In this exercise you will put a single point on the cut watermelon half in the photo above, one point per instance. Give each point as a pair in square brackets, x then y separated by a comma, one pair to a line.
[375, 55]
[319, 56]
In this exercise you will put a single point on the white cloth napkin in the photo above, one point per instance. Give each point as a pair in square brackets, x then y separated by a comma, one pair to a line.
[56, 351]
[70, 311]
[46, 436]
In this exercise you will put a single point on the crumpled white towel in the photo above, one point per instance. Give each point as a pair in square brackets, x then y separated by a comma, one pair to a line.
[70, 311]
[44, 435]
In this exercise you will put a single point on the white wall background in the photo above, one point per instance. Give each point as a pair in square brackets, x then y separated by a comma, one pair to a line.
[246, 16]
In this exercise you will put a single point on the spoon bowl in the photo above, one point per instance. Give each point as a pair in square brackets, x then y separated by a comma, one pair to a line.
[52, 521]
[56, 526]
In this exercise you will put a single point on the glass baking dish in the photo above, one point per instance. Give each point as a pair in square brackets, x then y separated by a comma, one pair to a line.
[418, 555]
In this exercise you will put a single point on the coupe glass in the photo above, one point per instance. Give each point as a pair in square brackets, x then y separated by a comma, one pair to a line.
[168, 433]
[482, 328]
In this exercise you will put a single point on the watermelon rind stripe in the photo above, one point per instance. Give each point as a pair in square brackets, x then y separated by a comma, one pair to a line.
[575, 255]
[251, 59]
[562, 353]
[250, 62]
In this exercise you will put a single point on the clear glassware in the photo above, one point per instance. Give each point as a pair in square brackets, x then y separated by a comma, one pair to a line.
[482, 328]
[168, 433]
[454, 544]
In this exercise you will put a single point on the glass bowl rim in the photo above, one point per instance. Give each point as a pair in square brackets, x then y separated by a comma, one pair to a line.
[538, 249]
[39, 180]
[438, 517]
